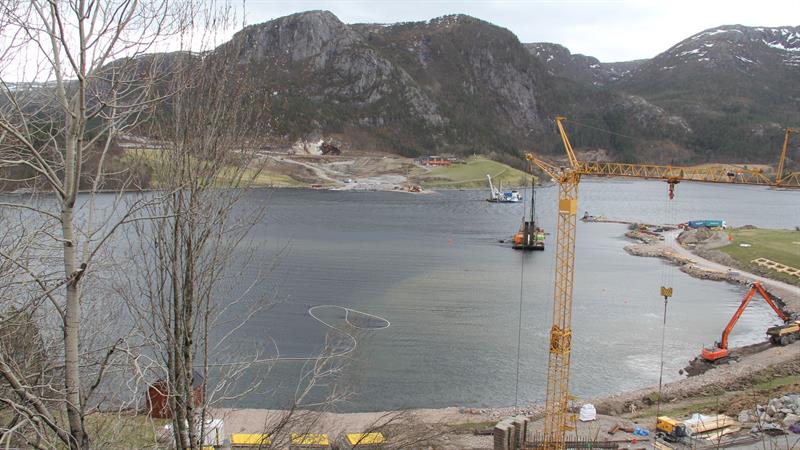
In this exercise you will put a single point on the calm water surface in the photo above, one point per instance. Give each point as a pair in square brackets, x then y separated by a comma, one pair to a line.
[432, 265]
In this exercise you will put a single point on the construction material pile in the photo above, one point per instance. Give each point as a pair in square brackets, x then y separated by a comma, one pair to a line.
[781, 413]
[710, 428]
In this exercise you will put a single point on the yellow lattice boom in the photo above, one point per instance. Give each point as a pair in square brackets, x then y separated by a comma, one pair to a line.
[779, 178]
[704, 174]
[791, 180]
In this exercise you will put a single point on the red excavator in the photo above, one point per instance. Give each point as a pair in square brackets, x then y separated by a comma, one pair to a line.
[782, 334]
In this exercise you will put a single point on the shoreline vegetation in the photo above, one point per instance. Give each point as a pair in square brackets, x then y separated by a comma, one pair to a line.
[352, 172]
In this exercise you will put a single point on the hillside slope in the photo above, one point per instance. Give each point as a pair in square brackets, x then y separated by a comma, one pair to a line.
[459, 85]
[453, 84]
[737, 87]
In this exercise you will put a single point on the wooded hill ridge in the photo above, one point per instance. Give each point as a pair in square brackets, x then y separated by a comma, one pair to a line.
[459, 85]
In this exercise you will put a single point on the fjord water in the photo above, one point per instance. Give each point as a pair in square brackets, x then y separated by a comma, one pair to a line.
[433, 266]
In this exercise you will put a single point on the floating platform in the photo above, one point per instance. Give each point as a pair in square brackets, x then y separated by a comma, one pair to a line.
[529, 237]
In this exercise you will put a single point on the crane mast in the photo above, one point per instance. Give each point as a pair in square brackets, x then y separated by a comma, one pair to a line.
[557, 413]
[557, 405]
[558, 397]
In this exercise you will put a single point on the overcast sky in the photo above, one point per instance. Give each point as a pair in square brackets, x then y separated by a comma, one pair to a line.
[607, 29]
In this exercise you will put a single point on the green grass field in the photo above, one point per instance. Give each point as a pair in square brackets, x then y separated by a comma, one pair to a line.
[471, 175]
[264, 178]
[781, 246]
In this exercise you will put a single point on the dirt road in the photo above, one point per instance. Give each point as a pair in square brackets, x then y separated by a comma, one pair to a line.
[788, 293]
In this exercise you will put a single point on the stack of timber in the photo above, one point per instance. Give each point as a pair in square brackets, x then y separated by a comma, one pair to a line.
[712, 428]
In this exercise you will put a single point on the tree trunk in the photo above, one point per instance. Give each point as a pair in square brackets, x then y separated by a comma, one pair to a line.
[72, 310]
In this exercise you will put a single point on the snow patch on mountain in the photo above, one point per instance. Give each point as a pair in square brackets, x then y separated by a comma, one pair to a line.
[781, 46]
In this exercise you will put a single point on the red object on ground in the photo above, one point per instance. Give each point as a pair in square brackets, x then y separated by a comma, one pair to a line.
[158, 397]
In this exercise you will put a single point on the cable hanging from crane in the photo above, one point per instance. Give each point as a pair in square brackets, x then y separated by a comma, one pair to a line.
[667, 281]
[602, 130]
[519, 328]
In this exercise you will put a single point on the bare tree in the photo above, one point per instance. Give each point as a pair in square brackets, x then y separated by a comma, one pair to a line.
[190, 247]
[73, 79]
[90, 81]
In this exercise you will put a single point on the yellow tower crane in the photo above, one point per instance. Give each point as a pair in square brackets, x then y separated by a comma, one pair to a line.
[568, 178]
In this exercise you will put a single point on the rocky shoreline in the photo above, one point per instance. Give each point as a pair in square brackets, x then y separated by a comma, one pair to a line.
[704, 262]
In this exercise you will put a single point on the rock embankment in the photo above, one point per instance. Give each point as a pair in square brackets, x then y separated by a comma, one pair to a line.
[779, 414]
[703, 261]
[719, 380]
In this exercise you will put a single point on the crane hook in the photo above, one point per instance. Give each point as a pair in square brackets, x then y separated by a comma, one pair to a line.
[672, 182]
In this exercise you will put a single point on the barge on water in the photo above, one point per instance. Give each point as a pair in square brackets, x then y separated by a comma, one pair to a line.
[495, 196]
[529, 236]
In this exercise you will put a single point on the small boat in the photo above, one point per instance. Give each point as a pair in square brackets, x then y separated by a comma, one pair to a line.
[529, 236]
[495, 196]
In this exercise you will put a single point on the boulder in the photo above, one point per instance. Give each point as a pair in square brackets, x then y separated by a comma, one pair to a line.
[768, 427]
[745, 416]
[790, 420]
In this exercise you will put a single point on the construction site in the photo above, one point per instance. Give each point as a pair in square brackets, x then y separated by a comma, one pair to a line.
[729, 397]
[558, 427]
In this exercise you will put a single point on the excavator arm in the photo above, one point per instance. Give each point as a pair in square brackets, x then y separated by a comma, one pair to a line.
[720, 350]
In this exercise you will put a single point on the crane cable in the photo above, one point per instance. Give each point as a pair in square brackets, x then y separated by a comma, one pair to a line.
[667, 278]
[661, 371]
[667, 273]
[519, 328]
[519, 324]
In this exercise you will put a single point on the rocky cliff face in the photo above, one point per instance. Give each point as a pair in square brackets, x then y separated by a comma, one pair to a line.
[453, 83]
[458, 84]
[313, 37]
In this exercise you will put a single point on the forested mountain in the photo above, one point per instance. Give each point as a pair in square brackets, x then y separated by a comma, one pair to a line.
[456, 84]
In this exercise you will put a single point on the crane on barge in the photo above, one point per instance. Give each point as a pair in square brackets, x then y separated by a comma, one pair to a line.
[568, 178]
[530, 235]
